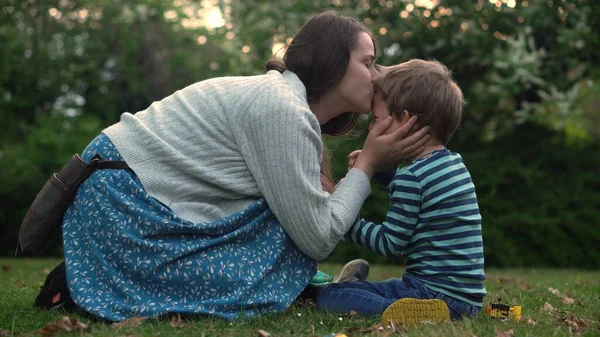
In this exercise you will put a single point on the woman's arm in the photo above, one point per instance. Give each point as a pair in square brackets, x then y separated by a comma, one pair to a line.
[281, 143]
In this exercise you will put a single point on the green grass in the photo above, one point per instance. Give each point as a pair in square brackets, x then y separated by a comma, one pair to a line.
[20, 280]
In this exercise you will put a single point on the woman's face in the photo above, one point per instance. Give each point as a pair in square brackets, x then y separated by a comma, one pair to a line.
[356, 86]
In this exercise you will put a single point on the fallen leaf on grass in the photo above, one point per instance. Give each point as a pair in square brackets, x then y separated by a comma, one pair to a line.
[568, 300]
[351, 313]
[130, 323]
[547, 307]
[177, 322]
[531, 322]
[263, 333]
[576, 324]
[554, 291]
[505, 333]
[565, 297]
[19, 283]
[4, 333]
[5, 268]
[65, 324]
[385, 331]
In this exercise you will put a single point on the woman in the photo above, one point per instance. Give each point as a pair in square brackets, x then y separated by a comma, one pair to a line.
[223, 212]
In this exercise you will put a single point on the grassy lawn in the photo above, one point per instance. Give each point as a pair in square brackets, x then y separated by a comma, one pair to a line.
[554, 303]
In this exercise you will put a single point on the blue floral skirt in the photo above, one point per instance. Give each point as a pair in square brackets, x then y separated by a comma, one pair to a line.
[129, 255]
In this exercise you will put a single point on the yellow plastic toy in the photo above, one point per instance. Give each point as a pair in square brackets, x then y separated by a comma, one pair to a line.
[503, 311]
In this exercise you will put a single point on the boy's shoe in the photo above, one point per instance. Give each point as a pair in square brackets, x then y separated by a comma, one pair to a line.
[355, 270]
[409, 311]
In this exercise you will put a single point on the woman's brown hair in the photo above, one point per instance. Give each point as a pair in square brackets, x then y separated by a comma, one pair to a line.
[319, 55]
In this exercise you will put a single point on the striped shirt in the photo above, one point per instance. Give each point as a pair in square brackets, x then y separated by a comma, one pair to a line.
[433, 222]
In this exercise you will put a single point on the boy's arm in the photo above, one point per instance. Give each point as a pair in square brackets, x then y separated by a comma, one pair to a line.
[392, 236]
[384, 178]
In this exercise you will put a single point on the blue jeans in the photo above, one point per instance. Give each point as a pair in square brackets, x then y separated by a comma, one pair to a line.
[372, 298]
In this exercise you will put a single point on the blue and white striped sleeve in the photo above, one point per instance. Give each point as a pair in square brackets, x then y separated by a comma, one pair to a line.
[392, 236]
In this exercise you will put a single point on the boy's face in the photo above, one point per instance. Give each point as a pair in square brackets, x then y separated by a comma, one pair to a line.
[380, 111]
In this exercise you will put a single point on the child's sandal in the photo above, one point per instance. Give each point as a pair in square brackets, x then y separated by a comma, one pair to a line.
[408, 311]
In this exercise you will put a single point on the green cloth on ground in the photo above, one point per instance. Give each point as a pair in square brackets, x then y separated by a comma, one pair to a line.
[321, 278]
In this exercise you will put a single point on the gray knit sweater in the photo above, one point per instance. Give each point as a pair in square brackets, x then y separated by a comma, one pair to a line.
[214, 147]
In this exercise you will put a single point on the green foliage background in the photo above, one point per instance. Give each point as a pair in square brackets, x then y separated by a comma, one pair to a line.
[528, 69]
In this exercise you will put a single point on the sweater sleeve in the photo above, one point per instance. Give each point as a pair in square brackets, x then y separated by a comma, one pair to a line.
[392, 237]
[281, 144]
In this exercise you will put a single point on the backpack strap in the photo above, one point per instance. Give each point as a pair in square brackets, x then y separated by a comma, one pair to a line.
[97, 163]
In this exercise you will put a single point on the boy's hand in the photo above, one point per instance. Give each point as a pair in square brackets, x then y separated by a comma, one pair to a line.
[352, 159]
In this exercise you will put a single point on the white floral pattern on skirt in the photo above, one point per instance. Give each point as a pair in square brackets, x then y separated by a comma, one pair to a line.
[129, 255]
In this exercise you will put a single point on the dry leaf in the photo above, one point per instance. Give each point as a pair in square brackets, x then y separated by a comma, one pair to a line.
[382, 332]
[351, 313]
[262, 333]
[5, 268]
[5, 333]
[547, 307]
[568, 300]
[19, 283]
[130, 323]
[505, 333]
[65, 324]
[391, 328]
[531, 322]
[554, 291]
[46, 271]
[576, 324]
[177, 322]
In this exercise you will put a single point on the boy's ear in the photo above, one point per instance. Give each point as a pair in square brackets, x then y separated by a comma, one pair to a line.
[405, 116]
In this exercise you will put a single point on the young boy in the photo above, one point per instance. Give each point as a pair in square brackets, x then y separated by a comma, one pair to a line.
[433, 220]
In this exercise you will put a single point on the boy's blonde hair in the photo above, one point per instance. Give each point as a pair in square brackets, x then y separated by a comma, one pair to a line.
[425, 89]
